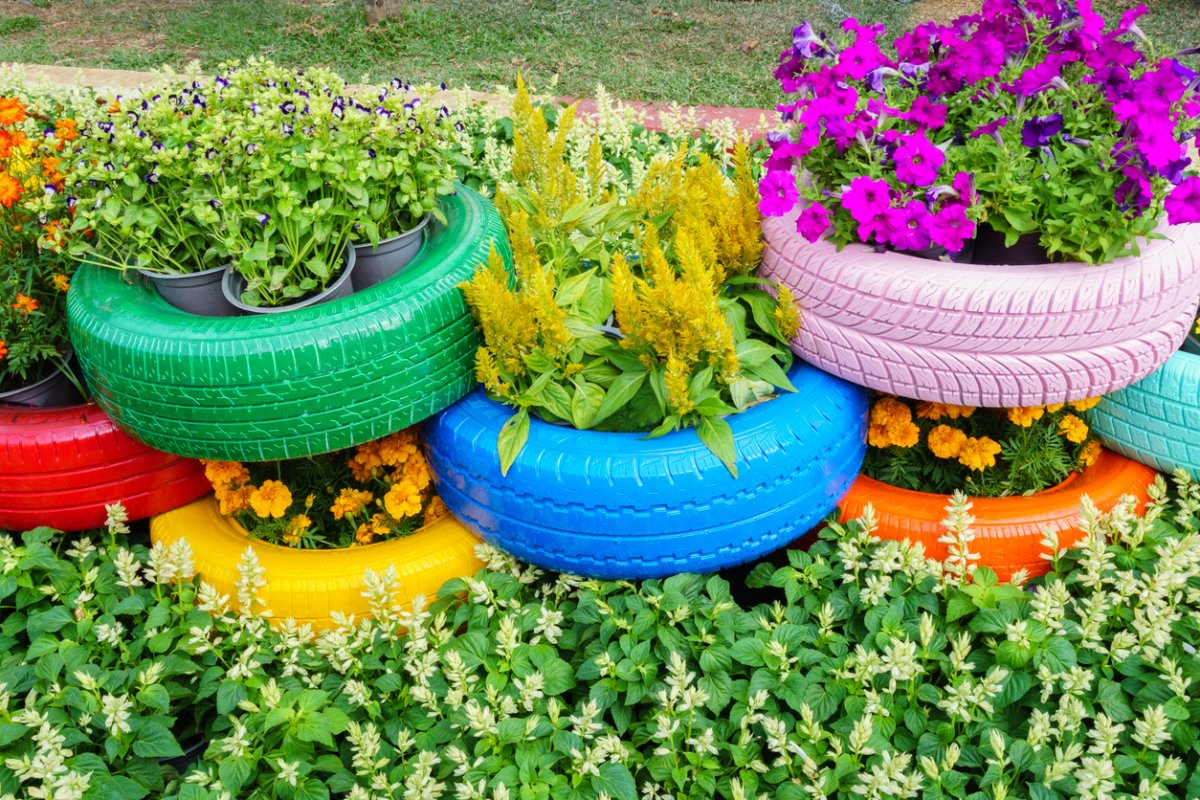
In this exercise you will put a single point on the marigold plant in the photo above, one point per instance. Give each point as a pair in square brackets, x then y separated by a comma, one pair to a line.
[942, 448]
[376, 491]
[632, 309]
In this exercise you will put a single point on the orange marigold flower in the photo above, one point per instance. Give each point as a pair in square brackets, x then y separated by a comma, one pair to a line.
[61, 282]
[10, 190]
[403, 500]
[365, 461]
[65, 130]
[1089, 454]
[3, 348]
[378, 526]
[979, 454]
[1025, 416]
[416, 469]
[906, 435]
[271, 499]
[878, 435]
[12, 111]
[1072, 427]
[349, 502]
[6, 141]
[296, 527]
[435, 510]
[396, 449]
[223, 474]
[25, 304]
[1084, 405]
[1054, 408]
[946, 442]
[234, 501]
[364, 534]
[889, 409]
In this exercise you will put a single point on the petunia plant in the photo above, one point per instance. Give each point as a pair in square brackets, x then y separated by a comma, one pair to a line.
[1030, 117]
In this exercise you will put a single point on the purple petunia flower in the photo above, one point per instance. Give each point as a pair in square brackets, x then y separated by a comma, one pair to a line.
[913, 234]
[917, 160]
[1183, 203]
[812, 222]
[807, 43]
[1038, 131]
[951, 228]
[1155, 92]
[865, 197]
[1135, 192]
[926, 113]
[777, 193]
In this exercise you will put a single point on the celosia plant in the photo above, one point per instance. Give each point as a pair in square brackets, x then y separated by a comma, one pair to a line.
[377, 491]
[631, 311]
[1029, 116]
[34, 211]
[942, 448]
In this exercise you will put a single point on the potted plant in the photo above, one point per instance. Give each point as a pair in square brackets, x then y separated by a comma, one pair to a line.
[635, 316]
[1026, 470]
[317, 523]
[35, 353]
[1026, 120]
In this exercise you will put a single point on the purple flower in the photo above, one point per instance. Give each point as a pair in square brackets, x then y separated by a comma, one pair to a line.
[397, 84]
[1038, 131]
[72, 201]
[251, 148]
[951, 228]
[926, 113]
[1173, 172]
[287, 107]
[1155, 92]
[886, 225]
[215, 203]
[807, 43]
[1183, 203]
[913, 233]
[777, 193]
[286, 129]
[812, 222]
[865, 197]
[222, 82]
[156, 147]
[1135, 191]
[370, 152]
[49, 189]
[263, 219]
[858, 59]
[108, 165]
[152, 178]
[917, 160]
[255, 108]
[990, 128]
[1114, 80]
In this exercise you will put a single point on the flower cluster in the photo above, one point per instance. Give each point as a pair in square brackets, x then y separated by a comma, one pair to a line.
[631, 310]
[274, 170]
[1029, 116]
[34, 212]
[376, 491]
[942, 448]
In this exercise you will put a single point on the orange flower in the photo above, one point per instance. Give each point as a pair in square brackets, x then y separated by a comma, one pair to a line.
[271, 499]
[114, 107]
[1072, 427]
[25, 304]
[416, 469]
[12, 111]
[3, 348]
[65, 130]
[234, 501]
[6, 141]
[1025, 416]
[224, 474]
[10, 190]
[349, 502]
[1085, 404]
[979, 454]
[435, 510]
[946, 442]
[396, 449]
[365, 461]
[299, 524]
[403, 500]
[1089, 454]
[61, 282]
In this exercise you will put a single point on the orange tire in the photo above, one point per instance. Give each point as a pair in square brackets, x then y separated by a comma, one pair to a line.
[1008, 530]
[308, 585]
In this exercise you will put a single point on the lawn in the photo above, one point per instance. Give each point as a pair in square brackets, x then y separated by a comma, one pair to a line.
[716, 52]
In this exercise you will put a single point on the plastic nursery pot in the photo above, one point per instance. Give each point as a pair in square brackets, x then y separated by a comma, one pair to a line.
[981, 335]
[233, 283]
[1157, 420]
[54, 390]
[196, 292]
[310, 586]
[375, 264]
[61, 466]
[989, 248]
[619, 505]
[265, 387]
[1008, 530]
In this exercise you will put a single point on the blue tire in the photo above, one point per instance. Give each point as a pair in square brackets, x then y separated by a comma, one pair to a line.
[618, 505]
[1157, 420]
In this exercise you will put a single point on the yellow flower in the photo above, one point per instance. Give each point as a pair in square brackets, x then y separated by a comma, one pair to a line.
[946, 442]
[890, 424]
[1089, 454]
[378, 526]
[936, 411]
[1072, 427]
[403, 500]
[61, 282]
[225, 474]
[271, 499]
[1084, 405]
[906, 435]
[1025, 416]
[349, 502]
[234, 501]
[979, 454]
[364, 534]
[786, 315]
[878, 436]
[887, 409]
[417, 471]
[396, 449]
[435, 510]
[1054, 408]
[365, 461]
[298, 525]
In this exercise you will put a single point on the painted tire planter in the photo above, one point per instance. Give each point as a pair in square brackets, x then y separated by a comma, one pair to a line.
[61, 466]
[1157, 420]
[980, 335]
[1008, 530]
[617, 505]
[308, 585]
[276, 386]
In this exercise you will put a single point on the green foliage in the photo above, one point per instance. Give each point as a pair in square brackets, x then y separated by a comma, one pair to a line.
[877, 673]
[19, 25]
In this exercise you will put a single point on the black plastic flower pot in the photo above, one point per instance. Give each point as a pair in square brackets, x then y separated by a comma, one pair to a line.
[59, 388]
[196, 292]
[990, 248]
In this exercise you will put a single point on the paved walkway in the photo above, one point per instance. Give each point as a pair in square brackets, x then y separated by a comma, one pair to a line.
[754, 121]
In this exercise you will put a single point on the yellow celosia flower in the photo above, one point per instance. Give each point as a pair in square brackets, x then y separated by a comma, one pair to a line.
[350, 502]
[786, 315]
[1025, 416]
[676, 381]
[1084, 405]
[979, 454]
[946, 442]
[271, 499]
[1072, 427]
[403, 499]
[1089, 454]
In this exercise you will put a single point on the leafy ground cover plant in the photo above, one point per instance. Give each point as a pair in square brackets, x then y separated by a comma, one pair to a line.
[630, 312]
[273, 170]
[941, 448]
[1034, 117]
[876, 673]
[34, 212]
[377, 491]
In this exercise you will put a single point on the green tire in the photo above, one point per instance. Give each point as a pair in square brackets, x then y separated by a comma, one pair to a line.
[275, 386]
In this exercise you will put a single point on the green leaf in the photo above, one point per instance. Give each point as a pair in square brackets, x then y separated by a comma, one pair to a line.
[155, 741]
[229, 694]
[512, 438]
[718, 437]
[585, 403]
[619, 393]
[234, 772]
[116, 787]
[616, 781]
[1056, 653]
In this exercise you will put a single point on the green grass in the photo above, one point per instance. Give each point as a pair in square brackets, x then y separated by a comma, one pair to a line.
[718, 52]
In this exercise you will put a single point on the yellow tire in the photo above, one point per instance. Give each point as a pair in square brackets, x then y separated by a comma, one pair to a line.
[310, 585]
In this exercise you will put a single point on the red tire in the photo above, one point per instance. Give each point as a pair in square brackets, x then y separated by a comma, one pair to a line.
[60, 467]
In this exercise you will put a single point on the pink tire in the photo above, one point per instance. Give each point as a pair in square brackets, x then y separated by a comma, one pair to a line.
[980, 335]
